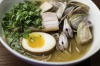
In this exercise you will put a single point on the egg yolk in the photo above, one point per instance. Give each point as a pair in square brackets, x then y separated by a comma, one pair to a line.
[35, 41]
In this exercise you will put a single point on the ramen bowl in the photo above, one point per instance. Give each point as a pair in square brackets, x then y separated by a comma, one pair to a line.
[94, 17]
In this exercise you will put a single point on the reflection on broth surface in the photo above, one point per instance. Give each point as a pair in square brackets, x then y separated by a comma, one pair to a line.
[61, 28]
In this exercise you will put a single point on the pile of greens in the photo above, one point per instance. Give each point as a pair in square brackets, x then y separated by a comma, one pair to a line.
[23, 16]
[17, 21]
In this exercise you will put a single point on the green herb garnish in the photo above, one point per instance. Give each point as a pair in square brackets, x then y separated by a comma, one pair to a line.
[21, 17]
[17, 22]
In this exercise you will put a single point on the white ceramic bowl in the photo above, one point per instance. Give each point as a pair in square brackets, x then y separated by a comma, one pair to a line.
[94, 16]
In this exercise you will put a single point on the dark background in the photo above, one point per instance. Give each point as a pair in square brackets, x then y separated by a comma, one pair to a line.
[7, 59]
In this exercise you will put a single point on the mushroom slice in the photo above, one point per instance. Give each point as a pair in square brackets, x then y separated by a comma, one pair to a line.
[67, 29]
[46, 6]
[61, 10]
[83, 33]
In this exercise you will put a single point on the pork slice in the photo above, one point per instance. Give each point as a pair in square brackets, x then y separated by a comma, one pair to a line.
[49, 16]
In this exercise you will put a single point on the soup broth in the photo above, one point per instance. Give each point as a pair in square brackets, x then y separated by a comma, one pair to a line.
[73, 53]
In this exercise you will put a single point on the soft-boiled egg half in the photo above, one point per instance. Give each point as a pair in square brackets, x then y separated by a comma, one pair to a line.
[39, 42]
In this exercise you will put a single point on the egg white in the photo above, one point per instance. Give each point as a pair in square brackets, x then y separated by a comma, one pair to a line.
[49, 43]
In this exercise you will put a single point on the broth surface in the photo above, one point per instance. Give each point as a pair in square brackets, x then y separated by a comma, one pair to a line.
[74, 54]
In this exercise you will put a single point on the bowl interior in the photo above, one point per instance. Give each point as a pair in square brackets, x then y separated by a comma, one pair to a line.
[94, 17]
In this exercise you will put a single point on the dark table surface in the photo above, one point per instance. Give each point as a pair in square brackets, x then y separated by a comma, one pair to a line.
[7, 59]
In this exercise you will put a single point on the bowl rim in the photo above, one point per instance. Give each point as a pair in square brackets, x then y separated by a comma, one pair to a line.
[43, 62]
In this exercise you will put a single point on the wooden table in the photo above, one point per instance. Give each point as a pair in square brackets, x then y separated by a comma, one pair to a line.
[7, 59]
